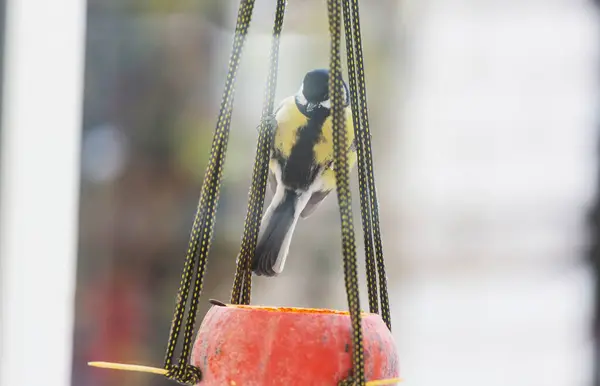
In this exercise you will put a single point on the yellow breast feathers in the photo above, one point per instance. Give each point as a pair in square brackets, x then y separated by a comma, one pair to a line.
[290, 120]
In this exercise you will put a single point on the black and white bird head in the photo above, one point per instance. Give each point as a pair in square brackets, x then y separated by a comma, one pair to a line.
[314, 92]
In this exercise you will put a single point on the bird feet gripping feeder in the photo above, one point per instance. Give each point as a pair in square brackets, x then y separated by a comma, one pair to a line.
[240, 344]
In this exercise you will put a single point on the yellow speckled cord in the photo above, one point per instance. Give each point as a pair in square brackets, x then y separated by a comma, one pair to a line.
[365, 208]
[203, 225]
[367, 166]
[342, 177]
[242, 285]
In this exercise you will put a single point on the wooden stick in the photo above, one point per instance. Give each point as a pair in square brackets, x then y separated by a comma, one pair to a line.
[126, 367]
[382, 382]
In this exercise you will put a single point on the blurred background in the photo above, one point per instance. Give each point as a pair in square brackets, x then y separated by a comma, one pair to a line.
[485, 133]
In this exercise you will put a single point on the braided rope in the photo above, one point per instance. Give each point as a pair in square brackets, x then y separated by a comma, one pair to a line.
[342, 177]
[203, 225]
[242, 285]
[365, 139]
[364, 193]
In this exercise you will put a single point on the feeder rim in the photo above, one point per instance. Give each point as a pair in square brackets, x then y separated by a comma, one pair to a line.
[295, 310]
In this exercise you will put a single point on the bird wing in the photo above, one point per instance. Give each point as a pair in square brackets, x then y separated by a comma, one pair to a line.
[272, 181]
[313, 203]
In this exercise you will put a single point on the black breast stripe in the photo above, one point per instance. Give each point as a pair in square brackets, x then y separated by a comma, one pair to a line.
[300, 170]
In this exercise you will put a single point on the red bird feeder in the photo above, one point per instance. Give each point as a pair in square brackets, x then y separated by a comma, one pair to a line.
[262, 346]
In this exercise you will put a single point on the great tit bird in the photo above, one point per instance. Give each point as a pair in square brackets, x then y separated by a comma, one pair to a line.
[301, 170]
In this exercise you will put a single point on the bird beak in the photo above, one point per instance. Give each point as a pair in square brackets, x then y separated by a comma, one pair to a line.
[310, 106]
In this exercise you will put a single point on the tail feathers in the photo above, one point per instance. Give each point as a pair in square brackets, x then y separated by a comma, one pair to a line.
[273, 245]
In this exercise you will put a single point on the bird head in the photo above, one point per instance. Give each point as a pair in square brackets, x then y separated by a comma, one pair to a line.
[314, 91]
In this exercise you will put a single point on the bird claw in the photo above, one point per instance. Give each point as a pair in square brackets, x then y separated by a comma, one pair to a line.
[269, 121]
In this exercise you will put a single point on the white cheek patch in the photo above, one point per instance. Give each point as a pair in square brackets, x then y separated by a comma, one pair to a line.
[326, 104]
[300, 96]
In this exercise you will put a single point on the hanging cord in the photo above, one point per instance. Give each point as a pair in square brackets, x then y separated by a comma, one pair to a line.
[203, 225]
[242, 285]
[364, 192]
[342, 177]
[365, 139]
